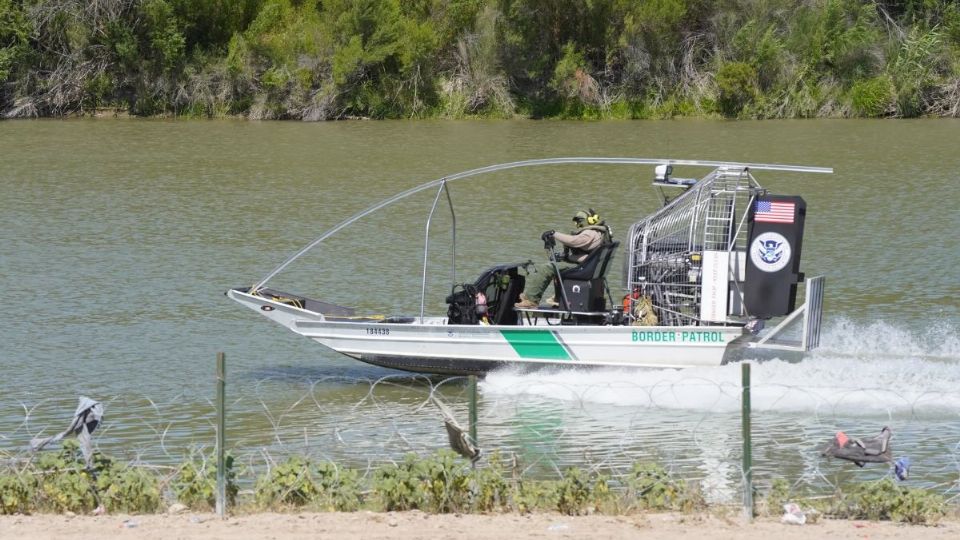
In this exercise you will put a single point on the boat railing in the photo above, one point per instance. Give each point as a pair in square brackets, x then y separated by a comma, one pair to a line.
[426, 244]
[442, 184]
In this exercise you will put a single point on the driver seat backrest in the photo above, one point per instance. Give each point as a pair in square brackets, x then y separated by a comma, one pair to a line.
[584, 285]
[595, 266]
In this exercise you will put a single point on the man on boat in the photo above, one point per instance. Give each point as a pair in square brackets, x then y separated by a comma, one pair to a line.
[591, 234]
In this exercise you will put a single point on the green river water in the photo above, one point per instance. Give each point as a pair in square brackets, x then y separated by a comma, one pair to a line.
[118, 239]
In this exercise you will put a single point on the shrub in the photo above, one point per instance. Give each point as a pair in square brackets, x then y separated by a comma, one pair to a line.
[872, 97]
[914, 70]
[478, 85]
[491, 491]
[195, 484]
[297, 482]
[289, 483]
[16, 493]
[578, 493]
[918, 507]
[15, 30]
[128, 489]
[66, 491]
[447, 478]
[168, 43]
[737, 85]
[63, 484]
[621, 108]
[398, 486]
[442, 483]
[884, 500]
[652, 488]
[571, 77]
[532, 496]
[777, 496]
[339, 487]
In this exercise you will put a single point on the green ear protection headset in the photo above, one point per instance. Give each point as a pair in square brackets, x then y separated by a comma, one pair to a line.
[590, 217]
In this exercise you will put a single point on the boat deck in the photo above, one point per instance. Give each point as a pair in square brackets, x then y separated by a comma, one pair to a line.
[532, 316]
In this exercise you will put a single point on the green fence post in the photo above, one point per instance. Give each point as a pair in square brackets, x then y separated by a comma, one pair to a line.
[472, 390]
[747, 442]
[221, 435]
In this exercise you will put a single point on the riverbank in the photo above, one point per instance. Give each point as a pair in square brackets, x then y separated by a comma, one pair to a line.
[279, 59]
[413, 525]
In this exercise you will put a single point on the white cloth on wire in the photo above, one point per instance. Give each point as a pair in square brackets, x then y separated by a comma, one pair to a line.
[87, 417]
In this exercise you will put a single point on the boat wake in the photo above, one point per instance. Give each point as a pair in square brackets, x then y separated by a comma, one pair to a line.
[877, 369]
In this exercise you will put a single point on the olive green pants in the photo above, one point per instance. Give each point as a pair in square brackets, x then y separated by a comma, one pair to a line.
[541, 278]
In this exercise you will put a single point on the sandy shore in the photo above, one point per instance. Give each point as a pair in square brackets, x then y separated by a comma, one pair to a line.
[414, 525]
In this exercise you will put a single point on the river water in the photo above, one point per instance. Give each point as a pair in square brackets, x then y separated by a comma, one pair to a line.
[118, 239]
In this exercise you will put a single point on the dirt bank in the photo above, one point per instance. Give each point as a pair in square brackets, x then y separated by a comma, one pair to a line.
[414, 525]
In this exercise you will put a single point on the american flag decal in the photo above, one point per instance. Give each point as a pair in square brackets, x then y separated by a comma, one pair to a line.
[774, 212]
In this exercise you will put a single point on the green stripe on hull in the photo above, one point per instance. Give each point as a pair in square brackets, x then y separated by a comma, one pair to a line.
[540, 344]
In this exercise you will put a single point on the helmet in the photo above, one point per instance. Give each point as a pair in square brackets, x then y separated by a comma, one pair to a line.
[584, 218]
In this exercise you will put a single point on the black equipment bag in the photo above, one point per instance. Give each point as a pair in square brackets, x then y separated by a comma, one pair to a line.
[462, 305]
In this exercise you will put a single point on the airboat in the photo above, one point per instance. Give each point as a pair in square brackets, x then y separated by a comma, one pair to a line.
[713, 272]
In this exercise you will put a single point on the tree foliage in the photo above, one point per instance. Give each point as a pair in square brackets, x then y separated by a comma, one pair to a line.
[317, 60]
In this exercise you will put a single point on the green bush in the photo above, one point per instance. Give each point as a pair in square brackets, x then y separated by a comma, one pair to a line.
[447, 478]
[63, 483]
[298, 482]
[623, 109]
[290, 483]
[16, 493]
[872, 97]
[195, 483]
[579, 493]
[66, 491]
[128, 489]
[777, 496]
[884, 500]
[652, 488]
[491, 490]
[584, 59]
[398, 486]
[15, 30]
[761, 46]
[737, 86]
[163, 28]
[919, 57]
[951, 23]
[441, 483]
[571, 79]
[339, 487]
[918, 507]
[532, 495]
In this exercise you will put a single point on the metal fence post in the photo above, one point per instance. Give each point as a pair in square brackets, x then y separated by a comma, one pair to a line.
[747, 442]
[472, 390]
[221, 435]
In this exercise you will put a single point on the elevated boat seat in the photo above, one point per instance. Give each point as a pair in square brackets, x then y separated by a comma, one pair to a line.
[584, 285]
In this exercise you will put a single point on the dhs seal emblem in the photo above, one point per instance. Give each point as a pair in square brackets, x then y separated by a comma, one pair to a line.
[770, 252]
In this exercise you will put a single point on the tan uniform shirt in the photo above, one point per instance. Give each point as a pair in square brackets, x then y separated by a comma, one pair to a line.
[582, 243]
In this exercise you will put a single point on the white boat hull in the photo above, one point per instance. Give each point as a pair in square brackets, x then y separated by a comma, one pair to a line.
[436, 347]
